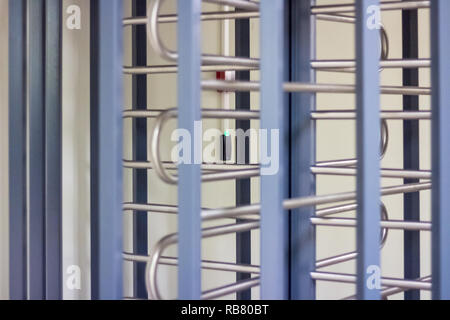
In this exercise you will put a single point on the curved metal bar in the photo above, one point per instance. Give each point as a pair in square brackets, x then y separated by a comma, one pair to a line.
[155, 156]
[154, 147]
[384, 143]
[152, 264]
[164, 52]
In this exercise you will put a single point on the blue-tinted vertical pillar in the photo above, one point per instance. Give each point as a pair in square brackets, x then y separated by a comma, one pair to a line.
[53, 152]
[440, 30]
[189, 184]
[107, 216]
[274, 220]
[36, 158]
[302, 155]
[17, 150]
[368, 140]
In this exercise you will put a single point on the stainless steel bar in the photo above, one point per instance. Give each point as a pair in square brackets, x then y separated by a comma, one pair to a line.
[388, 282]
[385, 64]
[385, 173]
[315, 200]
[164, 69]
[309, 87]
[241, 4]
[335, 18]
[205, 16]
[206, 264]
[231, 288]
[336, 260]
[152, 265]
[319, 65]
[391, 5]
[395, 225]
[336, 210]
[386, 115]
[165, 53]
[206, 114]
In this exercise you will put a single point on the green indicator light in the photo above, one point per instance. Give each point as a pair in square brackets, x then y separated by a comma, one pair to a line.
[227, 134]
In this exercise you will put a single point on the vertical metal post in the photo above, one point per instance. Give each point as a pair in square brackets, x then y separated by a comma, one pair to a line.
[243, 186]
[36, 157]
[440, 44]
[108, 217]
[411, 147]
[94, 118]
[53, 152]
[17, 150]
[140, 229]
[302, 150]
[274, 220]
[189, 185]
[368, 140]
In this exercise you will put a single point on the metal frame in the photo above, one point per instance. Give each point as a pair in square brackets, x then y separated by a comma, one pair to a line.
[106, 132]
[189, 184]
[274, 117]
[36, 156]
[302, 150]
[368, 167]
[53, 149]
[440, 44]
[17, 150]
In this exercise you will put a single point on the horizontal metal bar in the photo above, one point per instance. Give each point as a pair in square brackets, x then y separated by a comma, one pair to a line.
[241, 4]
[385, 64]
[205, 16]
[390, 224]
[163, 69]
[317, 64]
[385, 173]
[206, 114]
[294, 203]
[391, 5]
[232, 288]
[309, 87]
[384, 115]
[254, 115]
[388, 282]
